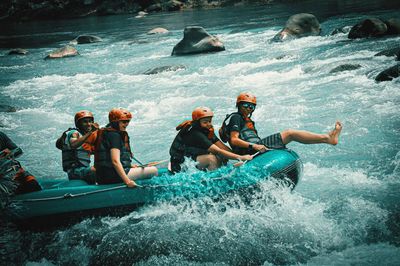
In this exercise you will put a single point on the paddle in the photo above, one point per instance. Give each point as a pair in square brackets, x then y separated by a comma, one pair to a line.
[149, 164]
[241, 163]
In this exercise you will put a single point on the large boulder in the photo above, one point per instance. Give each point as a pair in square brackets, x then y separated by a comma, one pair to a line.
[197, 40]
[82, 39]
[389, 74]
[299, 25]
[371, 27]
[157, 31]
[18, 51]
[390, 52]
[161, 69]
[393, 26]
[66, 51]
[173, 5]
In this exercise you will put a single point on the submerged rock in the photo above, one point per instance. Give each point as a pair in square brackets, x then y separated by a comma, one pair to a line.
[390, 52]
[82, 39]
[197, 40]
[141, 14]
[158, 31]
[18, 51]
[7, 108]
[299, 25]
[389, 74]
[345, 67]
[161, 69]
[371, 27]
[66, 51]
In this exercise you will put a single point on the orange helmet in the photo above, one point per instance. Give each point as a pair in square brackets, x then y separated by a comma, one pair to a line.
[201, 112]
[246, 97]
[118, 114]
[82, 114]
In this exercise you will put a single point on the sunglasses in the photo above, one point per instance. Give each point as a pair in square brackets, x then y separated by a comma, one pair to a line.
[249, 106]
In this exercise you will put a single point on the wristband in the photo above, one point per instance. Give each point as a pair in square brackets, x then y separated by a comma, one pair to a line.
[250, 146]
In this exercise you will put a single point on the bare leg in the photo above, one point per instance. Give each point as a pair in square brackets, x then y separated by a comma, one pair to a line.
[208, 161]
[307, 137]
[142, 173]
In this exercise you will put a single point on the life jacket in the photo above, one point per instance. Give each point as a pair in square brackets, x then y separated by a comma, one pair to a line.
[179, 149]
[102, 156]
[17, 179]
[74, 158]
[247, 133]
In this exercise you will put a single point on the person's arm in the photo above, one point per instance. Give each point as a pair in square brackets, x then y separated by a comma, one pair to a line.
[77, 141]
[116, 162]
[228, 154]
[11, 149]
[237, 142]
[222, 145]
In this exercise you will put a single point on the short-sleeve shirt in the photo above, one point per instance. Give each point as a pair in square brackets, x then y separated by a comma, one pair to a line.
[236, 123]
[198, 139]
[6, 142]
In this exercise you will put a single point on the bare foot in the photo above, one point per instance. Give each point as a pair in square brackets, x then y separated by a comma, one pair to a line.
[334, 134]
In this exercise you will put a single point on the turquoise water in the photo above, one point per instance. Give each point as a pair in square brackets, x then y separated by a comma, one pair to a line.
[345, 211]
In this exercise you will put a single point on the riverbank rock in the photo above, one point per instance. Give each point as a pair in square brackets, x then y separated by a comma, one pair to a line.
[344, 29]
[393, 26]
[141, 14]
[299, 25]
[161, 69]
[345, 67]
[18, 51]
[173, 5]
[158, 31]
[197, 40]
[371, 27]
[389, 74]
[7, 108]
[66, 51]
[390, 52]
[82, 39]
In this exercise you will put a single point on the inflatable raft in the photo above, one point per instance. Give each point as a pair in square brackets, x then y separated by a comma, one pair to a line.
[70, 200]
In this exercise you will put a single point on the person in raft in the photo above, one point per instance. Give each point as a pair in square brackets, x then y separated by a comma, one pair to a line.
[196, 139]
[113, 155]
[13, 178]
[77, 144]
[239, 130]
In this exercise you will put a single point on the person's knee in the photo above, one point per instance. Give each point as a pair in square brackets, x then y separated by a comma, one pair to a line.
[213, 162]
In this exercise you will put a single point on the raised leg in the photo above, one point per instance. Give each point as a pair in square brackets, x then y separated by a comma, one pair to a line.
[308, 137]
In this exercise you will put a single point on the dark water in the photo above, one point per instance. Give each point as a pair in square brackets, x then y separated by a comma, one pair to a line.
[345, 211]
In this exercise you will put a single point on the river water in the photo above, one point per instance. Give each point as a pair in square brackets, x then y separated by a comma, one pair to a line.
[345, 210]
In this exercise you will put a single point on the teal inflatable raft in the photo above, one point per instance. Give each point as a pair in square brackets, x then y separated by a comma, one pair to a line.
[70, 200]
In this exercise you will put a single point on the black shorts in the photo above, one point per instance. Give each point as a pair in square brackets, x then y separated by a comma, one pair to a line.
[273, 141]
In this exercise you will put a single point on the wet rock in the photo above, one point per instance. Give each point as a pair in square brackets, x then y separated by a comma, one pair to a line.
[389, 74]
[66, 51]
[299, 25]
[371, 27]
[390, 52]
[141, 14]
[161, 69]
[344, 29]
[18, 51]
[197, 40]
[7, 108]
[345, 67]
[82, 39]
[173, 5]
[154, 8]
[157, 31]
[393, 26]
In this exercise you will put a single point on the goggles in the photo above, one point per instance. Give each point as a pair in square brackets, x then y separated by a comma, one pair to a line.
[249, 106]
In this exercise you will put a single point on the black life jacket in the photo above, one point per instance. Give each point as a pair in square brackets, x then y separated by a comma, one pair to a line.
[102, 156]
[179, 149]
[73, 158]
[247, 133]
